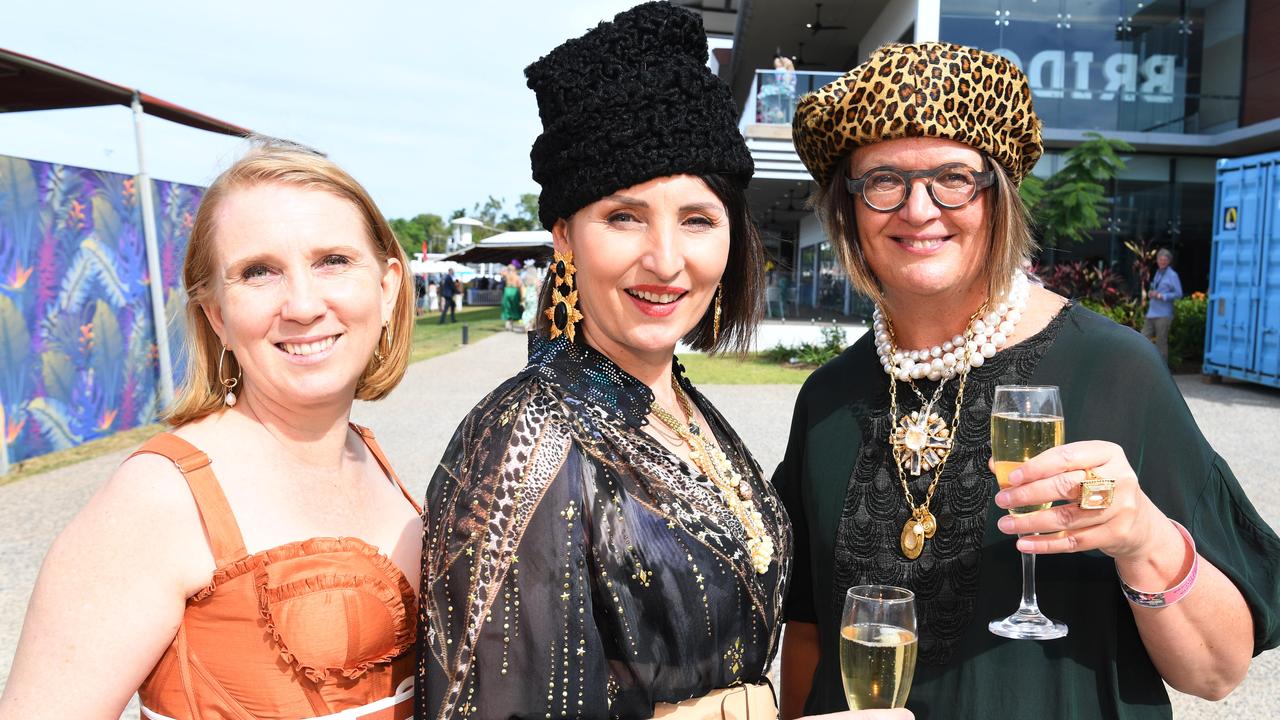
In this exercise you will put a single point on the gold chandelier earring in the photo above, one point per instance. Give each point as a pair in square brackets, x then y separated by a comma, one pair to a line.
[563, 313]
[383, 348]
[715, 318]
[228, 383]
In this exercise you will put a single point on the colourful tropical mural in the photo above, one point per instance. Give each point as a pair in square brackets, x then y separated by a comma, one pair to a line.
[77, 341]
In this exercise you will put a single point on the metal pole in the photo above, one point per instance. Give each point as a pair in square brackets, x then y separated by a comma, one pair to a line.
[153, 263]
[4, 442]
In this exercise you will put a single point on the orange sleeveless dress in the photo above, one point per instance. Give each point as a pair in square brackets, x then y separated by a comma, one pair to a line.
[319, 628]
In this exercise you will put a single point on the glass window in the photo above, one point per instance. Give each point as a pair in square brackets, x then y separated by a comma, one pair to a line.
[1141, 65]
[805, 284]
[831, 280]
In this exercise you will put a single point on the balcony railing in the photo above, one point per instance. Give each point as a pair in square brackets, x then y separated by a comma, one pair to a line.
[774, 94]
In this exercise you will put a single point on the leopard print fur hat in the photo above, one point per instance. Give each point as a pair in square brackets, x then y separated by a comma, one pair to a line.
[629, 101]
[928, 89]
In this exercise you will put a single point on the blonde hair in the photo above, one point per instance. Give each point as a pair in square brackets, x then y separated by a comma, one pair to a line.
[1011, 247]
[276, 162]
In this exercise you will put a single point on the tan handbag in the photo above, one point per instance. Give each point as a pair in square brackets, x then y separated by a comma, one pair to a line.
[744, 702]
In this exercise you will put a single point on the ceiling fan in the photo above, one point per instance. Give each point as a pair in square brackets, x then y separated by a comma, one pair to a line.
[816, 26]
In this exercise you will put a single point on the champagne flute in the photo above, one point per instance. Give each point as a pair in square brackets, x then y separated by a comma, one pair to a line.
[1026, 420]
[878, 646]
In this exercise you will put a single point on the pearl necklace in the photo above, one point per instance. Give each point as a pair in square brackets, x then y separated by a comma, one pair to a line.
[921, 441]
[987, 336]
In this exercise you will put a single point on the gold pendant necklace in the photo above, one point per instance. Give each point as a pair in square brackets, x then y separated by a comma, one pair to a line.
[921, 441]
[735, 491]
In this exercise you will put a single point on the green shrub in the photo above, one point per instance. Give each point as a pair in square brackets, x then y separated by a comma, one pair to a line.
[1186, 335]
[833, 343]
[1124, 313]
[778, 354]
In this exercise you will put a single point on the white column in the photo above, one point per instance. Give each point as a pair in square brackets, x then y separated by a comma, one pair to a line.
[153, 264]
[928, 19]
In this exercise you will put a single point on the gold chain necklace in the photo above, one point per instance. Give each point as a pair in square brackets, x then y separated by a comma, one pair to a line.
[919, 431]
[711, 461]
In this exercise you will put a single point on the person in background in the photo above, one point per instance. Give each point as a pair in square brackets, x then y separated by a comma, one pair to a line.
[512, 304]
[260, 559]
[1166, 287]
[448, 290]
[532, 280]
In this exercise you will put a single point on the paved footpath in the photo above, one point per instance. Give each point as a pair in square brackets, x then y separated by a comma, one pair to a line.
[416, 422]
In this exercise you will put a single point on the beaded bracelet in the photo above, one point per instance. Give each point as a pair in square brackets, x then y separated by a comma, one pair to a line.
[1156, 600]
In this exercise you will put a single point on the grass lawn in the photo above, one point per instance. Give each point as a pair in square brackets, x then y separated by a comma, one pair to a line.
[431, 338]
[749, 370]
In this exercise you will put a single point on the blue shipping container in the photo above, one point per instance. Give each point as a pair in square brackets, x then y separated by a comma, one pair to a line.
[1242, 334]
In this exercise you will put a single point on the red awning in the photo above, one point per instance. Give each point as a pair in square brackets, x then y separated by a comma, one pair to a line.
[27, 83]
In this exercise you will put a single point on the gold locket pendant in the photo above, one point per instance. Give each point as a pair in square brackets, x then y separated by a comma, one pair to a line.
[919, 527]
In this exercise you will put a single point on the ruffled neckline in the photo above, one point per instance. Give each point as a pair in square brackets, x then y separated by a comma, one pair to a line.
[397, 595]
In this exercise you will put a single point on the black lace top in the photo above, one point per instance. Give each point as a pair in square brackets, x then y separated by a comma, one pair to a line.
[574, 567]
[846, 506]
[946, 573]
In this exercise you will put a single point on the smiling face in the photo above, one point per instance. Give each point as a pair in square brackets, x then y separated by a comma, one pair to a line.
[921, 250]
[648, 260]
[298, 293]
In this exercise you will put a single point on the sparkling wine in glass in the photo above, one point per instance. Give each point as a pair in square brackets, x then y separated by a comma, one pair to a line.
[878, 646]
[1026, 420]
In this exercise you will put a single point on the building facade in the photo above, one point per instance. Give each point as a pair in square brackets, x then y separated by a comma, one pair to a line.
[1185, 82]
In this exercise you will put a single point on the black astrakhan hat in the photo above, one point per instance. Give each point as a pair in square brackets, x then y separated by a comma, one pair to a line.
[627, 102]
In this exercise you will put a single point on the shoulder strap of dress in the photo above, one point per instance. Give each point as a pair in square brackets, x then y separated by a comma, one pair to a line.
[367, 436]
[219, 523]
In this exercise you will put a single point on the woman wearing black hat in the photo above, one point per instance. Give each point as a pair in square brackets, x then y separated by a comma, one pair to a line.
[887, 480]
[599, 543]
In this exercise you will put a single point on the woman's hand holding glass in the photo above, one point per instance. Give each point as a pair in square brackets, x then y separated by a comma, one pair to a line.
[1126, 529]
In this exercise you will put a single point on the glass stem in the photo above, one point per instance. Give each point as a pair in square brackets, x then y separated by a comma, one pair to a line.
[1029, 606]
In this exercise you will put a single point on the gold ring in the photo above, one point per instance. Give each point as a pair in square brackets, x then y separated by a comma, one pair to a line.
[1096, 492]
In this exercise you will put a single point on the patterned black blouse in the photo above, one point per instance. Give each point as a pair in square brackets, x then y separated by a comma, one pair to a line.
[574, 567]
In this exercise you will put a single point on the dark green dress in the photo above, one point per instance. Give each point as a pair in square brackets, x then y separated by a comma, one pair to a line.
[846, 505]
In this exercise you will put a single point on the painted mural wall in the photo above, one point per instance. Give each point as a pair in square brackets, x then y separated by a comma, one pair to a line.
[77, 341]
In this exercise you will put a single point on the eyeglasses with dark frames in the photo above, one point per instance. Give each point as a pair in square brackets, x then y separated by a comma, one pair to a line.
[886, 189]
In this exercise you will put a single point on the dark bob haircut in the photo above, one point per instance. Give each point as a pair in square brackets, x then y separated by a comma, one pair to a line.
[743, 280]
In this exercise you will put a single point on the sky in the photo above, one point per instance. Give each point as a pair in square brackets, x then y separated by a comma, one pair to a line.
[424, 102]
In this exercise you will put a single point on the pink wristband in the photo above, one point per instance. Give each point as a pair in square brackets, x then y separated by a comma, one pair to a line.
[1156, 600]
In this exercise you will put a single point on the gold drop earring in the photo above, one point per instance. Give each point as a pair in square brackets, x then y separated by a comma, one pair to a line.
[715, 318]
[383, 348]
[228, 383]
[563, 313]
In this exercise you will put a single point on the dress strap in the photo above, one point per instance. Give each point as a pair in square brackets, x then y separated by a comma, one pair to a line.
[367, 435]
[219, 523]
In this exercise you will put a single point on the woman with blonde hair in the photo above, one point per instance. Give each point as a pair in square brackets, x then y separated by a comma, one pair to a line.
[259, 559]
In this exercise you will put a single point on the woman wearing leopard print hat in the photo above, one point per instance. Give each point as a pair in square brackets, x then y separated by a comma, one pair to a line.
[917, 154]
